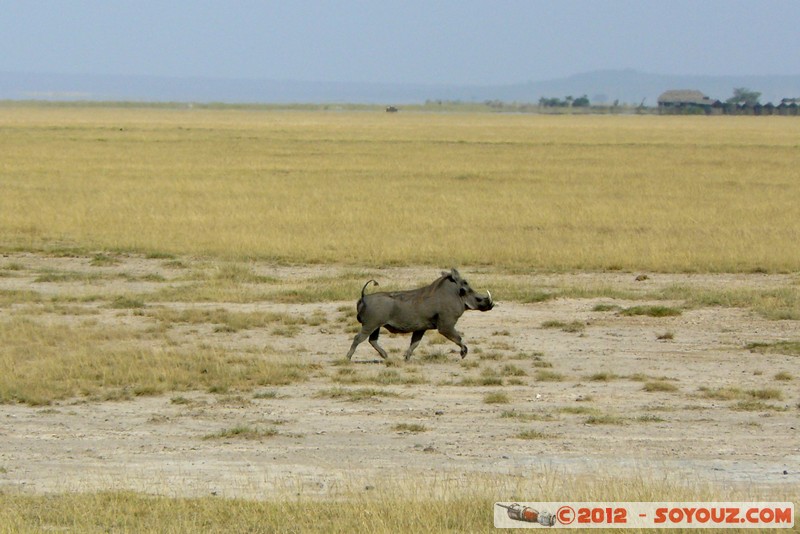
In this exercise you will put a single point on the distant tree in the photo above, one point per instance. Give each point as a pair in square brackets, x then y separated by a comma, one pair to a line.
[581, 102]
[551, 102]
[743, 95]
[567, 102]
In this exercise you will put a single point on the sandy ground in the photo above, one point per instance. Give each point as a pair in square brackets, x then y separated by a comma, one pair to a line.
[157, 445]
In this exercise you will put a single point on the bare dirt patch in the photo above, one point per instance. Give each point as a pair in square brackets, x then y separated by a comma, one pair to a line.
[622, 393]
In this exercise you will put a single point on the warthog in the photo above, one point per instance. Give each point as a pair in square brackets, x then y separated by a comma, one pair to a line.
[437, 306]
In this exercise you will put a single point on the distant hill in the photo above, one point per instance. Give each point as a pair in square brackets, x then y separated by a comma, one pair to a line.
[625, 86]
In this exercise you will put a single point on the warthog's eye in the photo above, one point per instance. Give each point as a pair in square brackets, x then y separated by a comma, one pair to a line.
[462, 291]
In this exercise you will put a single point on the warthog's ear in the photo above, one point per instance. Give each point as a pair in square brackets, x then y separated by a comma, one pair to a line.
[454, 274]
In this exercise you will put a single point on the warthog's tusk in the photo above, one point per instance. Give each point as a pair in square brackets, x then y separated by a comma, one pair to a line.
[490, 295]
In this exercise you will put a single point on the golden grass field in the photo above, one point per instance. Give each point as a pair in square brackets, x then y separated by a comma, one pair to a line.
[430, 509]
[218, 252]
[522, 192]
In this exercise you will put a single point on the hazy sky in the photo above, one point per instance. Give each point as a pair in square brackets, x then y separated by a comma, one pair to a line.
[415, 41]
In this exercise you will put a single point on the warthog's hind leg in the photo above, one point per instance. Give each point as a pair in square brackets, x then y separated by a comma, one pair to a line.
[367, 332]
[373, 340]
[416, 337]
[360, 338]
[356, 341]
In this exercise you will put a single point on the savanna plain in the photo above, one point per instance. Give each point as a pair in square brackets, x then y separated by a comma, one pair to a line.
[178, 287]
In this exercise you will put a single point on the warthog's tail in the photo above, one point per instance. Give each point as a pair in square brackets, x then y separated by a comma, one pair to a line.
[365, 286]
[360, 304]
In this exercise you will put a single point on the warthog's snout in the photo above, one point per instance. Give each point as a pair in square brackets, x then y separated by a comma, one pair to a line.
[488, 302]
[481, 303]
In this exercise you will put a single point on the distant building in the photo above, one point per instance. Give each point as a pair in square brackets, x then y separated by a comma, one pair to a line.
[684, 101]
[689, 101]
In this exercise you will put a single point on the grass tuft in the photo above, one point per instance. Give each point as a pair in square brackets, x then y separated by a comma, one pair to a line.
[791, 348]
[532, 434]
[413, 428]
[570, 327]
[497, 397]
[603, 376]
[543, 375]
[606, 308]
[605, 419]
[651, 311]
[127, 303]
[354, 395]
[103, 260]
[243, 432]
[659, 386]
[733, 393]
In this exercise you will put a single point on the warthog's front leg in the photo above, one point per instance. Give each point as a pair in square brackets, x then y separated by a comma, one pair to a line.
[416, 337]
[450, 333]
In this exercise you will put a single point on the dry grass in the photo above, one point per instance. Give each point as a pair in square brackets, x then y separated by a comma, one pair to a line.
[774, 304]
[42, 362]
[791, 348]
[733, 393]
[348, 375]
[389, 505]
[588, 192]
[225, 320]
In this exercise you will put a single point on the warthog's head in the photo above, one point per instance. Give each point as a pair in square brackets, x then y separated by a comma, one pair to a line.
[471, 299]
